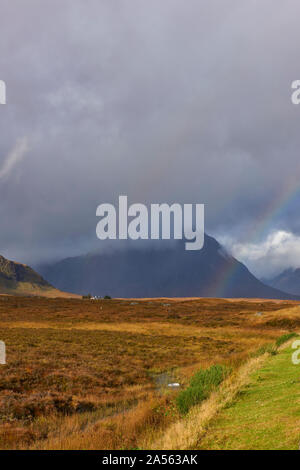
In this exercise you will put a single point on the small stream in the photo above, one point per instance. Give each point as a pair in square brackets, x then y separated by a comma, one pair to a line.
[163, 380]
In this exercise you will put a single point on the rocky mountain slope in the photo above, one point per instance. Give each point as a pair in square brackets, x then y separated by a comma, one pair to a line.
[168, 272]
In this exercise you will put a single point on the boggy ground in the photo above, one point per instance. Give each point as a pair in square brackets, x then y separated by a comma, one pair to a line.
[85, 374]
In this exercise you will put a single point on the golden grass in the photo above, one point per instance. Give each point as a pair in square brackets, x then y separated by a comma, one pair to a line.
[121, 431]
[83, 374]
[29, 289]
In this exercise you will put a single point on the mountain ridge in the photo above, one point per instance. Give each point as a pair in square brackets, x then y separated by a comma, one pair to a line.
[171, 272]
[288, 280]
[20, 279]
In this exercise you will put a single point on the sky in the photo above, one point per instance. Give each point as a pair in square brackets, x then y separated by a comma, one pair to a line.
[163, 101]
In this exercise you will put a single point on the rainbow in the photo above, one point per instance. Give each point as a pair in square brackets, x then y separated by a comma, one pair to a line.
[288, 194]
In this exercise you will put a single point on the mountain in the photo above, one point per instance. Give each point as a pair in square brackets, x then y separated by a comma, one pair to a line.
[19, 279]
[288, 280]
[172, 272]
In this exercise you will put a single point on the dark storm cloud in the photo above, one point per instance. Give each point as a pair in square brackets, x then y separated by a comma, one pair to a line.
[163, 101]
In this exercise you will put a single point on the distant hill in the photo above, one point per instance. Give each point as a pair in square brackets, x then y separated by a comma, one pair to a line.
[172, 272]
[19, 279]
[288, 280]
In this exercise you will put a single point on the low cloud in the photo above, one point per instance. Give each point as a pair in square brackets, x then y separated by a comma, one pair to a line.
[169, 101]
[279, 251]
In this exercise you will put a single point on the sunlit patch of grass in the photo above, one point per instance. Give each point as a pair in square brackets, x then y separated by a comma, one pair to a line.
[266, 414]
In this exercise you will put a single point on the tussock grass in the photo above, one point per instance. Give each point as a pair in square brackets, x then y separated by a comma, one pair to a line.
[201, 386]
[269, 348]
[285, 338]
[121, 431]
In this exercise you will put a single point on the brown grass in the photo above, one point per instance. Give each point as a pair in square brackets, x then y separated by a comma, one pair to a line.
[83, 374]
